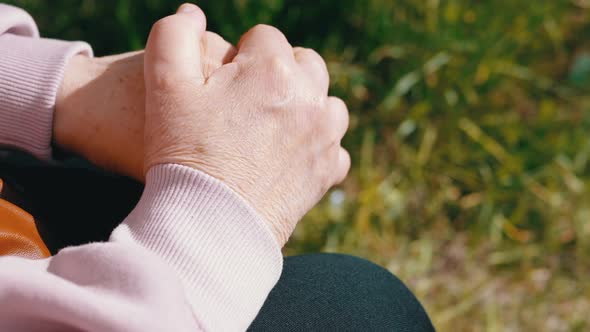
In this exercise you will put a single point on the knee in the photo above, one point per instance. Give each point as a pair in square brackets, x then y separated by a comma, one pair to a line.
[365, 296]
[370, 293]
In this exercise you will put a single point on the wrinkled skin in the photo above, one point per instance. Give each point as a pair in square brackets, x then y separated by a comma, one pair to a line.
[100, 106]
[258, 117]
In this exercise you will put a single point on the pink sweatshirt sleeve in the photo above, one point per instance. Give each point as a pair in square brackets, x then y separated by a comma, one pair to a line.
[192, 255]
[31, 70]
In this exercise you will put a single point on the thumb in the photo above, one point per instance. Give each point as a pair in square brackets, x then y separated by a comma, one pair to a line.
[172, 53]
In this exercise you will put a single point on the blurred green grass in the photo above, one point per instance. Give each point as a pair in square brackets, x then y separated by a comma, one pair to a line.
[470, 139]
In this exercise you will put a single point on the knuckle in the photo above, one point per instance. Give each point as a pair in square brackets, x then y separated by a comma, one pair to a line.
[338, 103]
[340, 116]
[335, 162]
[345, 160]
[266, 29]
[166, 23]
[214, 37]
[215, 41]
[313, 58]
[311, 55]
[336, 108]
[268, 34]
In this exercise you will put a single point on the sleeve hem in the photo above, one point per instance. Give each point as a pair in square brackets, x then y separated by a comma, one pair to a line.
[31, 72]
[17, 21]
[225, 255]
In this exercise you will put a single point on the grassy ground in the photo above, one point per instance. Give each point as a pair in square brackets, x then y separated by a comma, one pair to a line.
[470, 138]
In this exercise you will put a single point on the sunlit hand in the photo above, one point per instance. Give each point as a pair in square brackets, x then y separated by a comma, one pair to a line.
[263, 123]
[100, 105]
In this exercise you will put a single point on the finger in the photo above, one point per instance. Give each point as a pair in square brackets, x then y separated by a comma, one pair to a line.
[173, 51]
[343, 165]
[216, 52]
[314, 66]
[265, 41]
[338, 117]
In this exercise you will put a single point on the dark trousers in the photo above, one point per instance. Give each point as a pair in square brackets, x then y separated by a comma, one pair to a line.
[330, 292]
[75, 204]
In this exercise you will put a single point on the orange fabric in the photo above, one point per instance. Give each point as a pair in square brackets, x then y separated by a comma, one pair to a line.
[18, 233]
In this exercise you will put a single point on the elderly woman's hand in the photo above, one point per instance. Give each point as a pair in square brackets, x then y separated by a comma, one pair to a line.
[100, 105]
[263, 123]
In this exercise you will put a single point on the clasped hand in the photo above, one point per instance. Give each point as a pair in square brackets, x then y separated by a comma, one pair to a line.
[257, 117]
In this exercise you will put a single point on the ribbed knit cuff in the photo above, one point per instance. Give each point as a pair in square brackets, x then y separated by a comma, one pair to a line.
[17, 21]
[31, 71]
[225, 254]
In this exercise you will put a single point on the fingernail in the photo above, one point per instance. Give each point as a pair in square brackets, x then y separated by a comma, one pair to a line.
[186, 8]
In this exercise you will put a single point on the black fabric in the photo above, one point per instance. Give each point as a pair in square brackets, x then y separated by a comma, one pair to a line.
[75, 203]
[331, 292]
